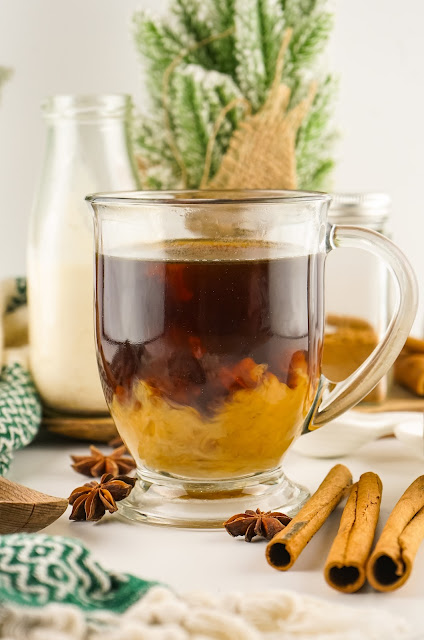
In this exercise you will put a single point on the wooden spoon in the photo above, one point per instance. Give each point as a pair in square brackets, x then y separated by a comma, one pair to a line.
[27, 510]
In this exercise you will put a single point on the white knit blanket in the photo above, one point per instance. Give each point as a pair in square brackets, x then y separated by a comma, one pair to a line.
[163, 615]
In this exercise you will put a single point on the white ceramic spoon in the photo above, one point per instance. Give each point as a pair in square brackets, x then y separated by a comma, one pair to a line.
[349, 432]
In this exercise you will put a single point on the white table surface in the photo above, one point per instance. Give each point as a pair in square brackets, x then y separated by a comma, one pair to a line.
[212, 560]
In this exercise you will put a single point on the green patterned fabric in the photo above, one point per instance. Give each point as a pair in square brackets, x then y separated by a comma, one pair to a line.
[37, 569]
[20, 412]
[20, 405]
[18, 298]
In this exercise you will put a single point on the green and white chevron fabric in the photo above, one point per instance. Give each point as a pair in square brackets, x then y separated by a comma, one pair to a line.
[20, 412]
[20, 405]
[17, 295]
[37, 569]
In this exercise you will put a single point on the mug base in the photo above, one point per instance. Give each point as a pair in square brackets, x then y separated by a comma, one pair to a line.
[163, 500]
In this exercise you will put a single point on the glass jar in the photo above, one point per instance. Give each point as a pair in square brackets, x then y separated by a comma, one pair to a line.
[87, 149]
[357, 294]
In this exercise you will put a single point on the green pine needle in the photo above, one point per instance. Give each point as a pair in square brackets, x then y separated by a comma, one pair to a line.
[198, 98]
[259, 28]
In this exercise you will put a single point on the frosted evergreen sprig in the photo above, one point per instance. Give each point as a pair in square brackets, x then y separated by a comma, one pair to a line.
[259, 27]
[316, 138]
[223, 51]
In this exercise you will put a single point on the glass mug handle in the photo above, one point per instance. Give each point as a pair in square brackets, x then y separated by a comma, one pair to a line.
[350, 391]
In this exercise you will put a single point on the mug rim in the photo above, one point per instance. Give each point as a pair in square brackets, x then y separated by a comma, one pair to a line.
[185, 197]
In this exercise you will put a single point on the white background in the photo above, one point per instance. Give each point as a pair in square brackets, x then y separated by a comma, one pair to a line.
[56, 46]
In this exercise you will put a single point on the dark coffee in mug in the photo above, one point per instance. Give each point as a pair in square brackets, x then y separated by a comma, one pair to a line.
[209, 352]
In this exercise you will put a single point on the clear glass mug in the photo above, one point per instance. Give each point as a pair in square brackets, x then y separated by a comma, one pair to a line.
[209, 332]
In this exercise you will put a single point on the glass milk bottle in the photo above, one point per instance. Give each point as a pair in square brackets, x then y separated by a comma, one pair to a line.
[87, 149]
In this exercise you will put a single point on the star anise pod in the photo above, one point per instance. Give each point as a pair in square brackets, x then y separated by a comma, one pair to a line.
[256, 523]
[93, 499]
[97, 463]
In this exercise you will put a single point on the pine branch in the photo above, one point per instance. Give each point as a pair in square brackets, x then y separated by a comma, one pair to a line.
[259, 31]
[188, 13]
[296, 10]
[203, 21]
[222, 15]
[272, 25]
[158, 45]
[309, 40]
[319, 180]
[315, 139]
[151, 137]
[211, 73]
[198, 97]
[311, 23]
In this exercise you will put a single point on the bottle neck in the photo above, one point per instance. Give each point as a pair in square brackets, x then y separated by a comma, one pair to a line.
[101, 148]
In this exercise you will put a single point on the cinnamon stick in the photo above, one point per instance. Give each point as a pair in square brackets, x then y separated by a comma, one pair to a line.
[348, 342]
[390, 564]
[284, 548]
[409, 367]
[413, 345]
[348, 322]
[346, 562]
[409, 372]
